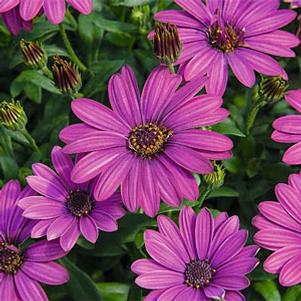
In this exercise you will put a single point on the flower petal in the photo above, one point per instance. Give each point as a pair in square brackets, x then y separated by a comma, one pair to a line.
[55, 10]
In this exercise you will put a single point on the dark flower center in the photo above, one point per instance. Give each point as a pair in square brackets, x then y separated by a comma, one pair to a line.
[10, 258]
[148, 139]
[198, 273]
[79, 203]
[225, 37]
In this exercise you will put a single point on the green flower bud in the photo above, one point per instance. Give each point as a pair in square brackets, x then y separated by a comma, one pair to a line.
[272, 89]
[167, 44]
[66, 76]
[216, 178]
[12, 115]
[34, 54]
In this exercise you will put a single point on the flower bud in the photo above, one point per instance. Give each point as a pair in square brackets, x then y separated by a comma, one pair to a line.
[216, 178]
[272, 89]
[140, 15]
[66, 76]
[34, 54]
[167, 44]
[12, 115]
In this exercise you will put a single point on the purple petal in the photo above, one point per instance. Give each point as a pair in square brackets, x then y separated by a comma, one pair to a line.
[94, 163]
[70, 237]
[204, 228]
[8, 289]
[125, 97]
[285, 138]
[143, 266]
[30, 9]
[6, 5]
[231, 282]
[190, 294]
[170, 293]
[288, 124]
[83, 6]
[44, 251]
[29, 289]
[293, 97]
[88, 228]
[291, 272]
[59, 226]
[104, 221]
[40, 228]
[214, 292]
[55, 10]
[97, 115]
[49, 273]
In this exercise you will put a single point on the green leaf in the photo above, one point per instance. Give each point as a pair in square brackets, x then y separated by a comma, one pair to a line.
[34, 77]
[268, 290]
[228, 127]
[135, 293]
[223, 192]
[130, 3]
[113, 291]
[80, 286]
[113, 26]
[292, 294]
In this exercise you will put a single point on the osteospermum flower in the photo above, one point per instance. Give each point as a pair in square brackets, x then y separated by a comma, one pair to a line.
[148, 144]
[64, 209]
[22, 267]
[203, 258]
[279, 225]
[288, 129]
[54, 10]
[13, 20]
[241, 34]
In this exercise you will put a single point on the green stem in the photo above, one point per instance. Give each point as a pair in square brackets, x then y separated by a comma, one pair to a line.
[204, 195]
[30, 140]
[47, 72]
[253, 114]
[70, 49]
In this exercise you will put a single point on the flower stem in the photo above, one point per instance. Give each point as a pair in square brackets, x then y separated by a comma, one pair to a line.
[253, 114]
[70, 49]
[47, 72]
[30, 140]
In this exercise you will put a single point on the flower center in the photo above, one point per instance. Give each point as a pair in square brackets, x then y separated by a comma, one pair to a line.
[225, 37]
[198, 273]
[78, 203]
[148, 139]
[10, 258]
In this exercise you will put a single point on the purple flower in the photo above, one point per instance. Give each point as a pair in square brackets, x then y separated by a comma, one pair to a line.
[240, 33]
[13, 20]
[148, 144]
[204, 258]
[279, 225]
[64, 209]
[22, 268]
[54, 10]
[288, 129]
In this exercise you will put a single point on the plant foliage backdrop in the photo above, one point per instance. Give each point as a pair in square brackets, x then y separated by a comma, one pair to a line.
[114, 34]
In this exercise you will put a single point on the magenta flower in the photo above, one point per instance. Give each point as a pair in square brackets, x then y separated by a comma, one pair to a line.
[240, 33]
[279, 225]
[148, 144]
[21, 269]
[288, 129]
[204, 258]
[64, 209]
[14, 22]
[54, 10]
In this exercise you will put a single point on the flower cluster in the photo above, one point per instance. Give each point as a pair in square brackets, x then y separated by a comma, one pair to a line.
[150, 146]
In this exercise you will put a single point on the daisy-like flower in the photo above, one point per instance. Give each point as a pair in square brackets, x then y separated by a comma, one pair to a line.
[23, 267]
[13, 20]
[288, 129]
[279, 225]
[240, 33]
[53, 9]
[64, 209]
[148, 144]
[203, 258]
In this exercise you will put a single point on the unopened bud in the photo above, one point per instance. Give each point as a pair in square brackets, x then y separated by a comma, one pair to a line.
[216, 178]
[34, 54]
[167, 44]
[66, 76]
[272, 89]
[12, 115]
